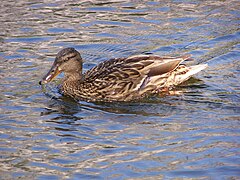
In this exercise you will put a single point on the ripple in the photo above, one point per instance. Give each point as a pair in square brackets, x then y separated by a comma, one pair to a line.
[28, 39]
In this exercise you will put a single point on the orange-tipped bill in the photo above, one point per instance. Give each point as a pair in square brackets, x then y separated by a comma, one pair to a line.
[53, 72]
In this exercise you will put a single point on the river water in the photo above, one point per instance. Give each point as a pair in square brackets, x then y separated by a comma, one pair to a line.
[191, 134]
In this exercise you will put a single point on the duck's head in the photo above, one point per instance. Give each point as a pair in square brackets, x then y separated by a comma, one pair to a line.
[69, 61]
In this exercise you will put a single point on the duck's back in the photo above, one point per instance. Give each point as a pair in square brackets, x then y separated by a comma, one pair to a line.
[124, 79]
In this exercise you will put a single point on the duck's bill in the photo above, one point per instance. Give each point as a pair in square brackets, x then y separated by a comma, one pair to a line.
[53, 72]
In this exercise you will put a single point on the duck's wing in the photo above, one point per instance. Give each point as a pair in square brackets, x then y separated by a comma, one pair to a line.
[121, 76]
[140, 65]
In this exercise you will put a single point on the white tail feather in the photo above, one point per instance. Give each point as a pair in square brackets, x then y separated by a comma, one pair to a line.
[191, 71]
[195, 69]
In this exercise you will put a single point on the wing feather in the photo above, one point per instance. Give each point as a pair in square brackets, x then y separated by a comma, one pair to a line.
[132, 73]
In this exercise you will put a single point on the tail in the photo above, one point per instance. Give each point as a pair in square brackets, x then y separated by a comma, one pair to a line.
[184, 73]
[195, 69]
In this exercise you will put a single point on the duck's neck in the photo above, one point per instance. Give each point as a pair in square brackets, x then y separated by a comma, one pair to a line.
[73, 76]
[71, 82]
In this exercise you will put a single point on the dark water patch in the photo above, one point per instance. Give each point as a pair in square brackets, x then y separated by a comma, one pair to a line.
[28, 39]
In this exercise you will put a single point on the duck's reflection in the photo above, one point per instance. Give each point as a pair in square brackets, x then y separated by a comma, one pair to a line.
[162, 105]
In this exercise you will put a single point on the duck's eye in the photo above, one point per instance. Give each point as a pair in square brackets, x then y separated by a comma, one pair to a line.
[68, 58]
[65, 60]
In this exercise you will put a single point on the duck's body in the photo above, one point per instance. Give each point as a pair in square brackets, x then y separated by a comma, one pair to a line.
[120, 79]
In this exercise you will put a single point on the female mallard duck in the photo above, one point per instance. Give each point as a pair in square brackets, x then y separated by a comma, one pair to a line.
[119, 79]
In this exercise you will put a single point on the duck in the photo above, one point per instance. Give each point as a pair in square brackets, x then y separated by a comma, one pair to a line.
[119, 79]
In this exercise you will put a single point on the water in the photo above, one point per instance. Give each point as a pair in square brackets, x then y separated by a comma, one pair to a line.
[193, 134]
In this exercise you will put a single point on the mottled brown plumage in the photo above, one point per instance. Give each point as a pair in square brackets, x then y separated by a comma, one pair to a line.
[119, 79]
